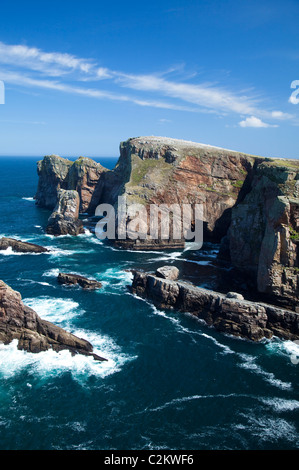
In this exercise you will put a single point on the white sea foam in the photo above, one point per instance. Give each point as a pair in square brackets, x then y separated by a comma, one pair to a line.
[178, 401]
[248, 362]
[47, 364]
[58, 252]
[225, 349]
[31, 281]
[269, 429]
[200, 262]
[114, 278]
[280, 404]
[9, 252]
[171, 256]
[51, 273]
[53, 309]
[95, 240]
[292, 348]
[62, 311]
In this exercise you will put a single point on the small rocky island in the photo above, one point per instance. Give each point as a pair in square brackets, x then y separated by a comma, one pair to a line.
[70, 279]
[19, 246]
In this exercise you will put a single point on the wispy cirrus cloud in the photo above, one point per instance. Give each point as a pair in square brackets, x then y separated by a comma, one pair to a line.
[48, 63]
[31, 67]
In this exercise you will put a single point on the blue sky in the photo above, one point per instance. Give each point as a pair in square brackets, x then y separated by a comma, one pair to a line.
[82, 76]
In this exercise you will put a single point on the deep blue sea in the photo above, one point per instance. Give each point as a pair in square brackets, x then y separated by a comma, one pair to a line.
[170, 381]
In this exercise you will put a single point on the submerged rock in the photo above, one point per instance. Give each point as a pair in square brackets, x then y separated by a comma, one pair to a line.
[238, 317]
[21, 247]
[74, 279]
[17, 321]
[65, 218]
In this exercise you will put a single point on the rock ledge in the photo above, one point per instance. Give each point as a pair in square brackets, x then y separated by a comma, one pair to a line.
[235, 316]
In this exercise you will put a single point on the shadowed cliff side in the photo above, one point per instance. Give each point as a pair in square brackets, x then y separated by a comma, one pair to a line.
[263, 237]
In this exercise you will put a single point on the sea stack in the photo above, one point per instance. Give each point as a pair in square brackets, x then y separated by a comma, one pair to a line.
[65, 218]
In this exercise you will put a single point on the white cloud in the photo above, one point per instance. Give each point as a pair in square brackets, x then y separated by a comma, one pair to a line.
[204, 95]
[32, 67]
[50, 63]
[253, 121]
[281, 115]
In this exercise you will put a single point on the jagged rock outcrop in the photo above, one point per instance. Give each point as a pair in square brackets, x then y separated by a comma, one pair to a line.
[17, 321]
[82, 175]
[75, 279]
[19, 246]
[52, 171]
[65, 218]
[252, 320]
[263, 237]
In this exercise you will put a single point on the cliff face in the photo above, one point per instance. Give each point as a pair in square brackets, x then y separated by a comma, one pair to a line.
[17, 321]
[52, 172]
[263, 237]
[84, 177]
[169, 171]
[154, 170]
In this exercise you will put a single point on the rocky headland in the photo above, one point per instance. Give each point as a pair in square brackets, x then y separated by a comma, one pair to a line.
[250, 203]
[19, 322]
[229, 313]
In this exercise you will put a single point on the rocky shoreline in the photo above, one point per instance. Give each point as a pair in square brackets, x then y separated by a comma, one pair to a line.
[229, 313]
[17, 321]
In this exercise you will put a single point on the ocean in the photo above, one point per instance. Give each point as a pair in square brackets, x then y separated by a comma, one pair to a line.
[170, 381]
